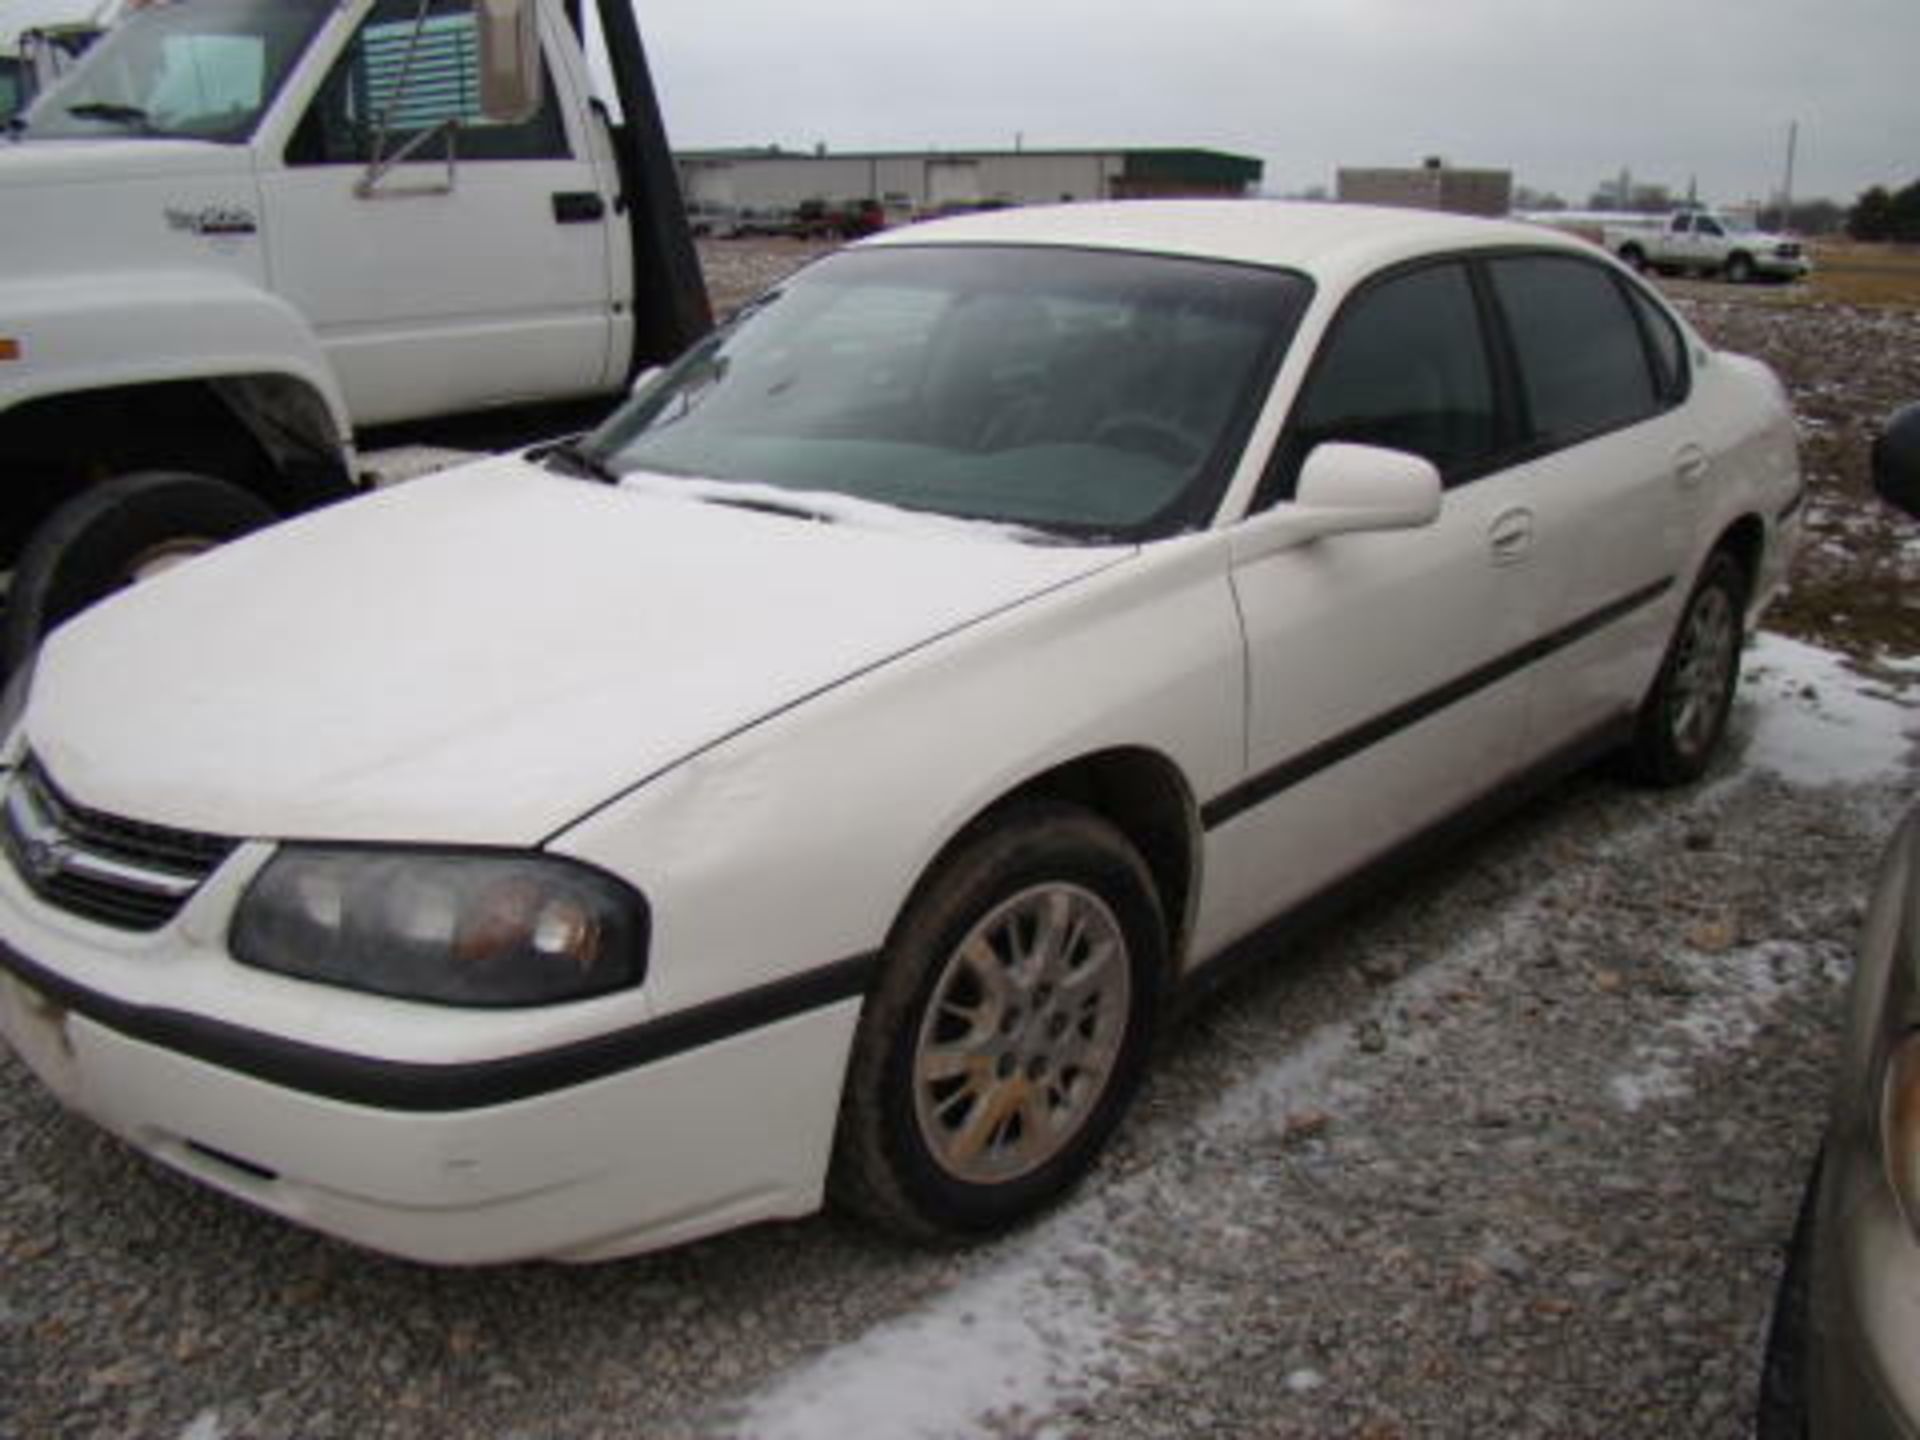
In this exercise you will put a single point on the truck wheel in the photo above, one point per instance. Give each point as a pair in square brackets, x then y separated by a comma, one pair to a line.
[113, 535]
[1739, 269]
[1634, 257]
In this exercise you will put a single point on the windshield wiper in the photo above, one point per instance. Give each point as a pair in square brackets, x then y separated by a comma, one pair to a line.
[114, 114]
[570, 458]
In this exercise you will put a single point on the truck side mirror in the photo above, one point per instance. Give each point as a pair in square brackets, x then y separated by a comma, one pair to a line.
[1896, 460]
[511, 78]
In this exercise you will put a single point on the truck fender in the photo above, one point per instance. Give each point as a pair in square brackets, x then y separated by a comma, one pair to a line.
[95, 332]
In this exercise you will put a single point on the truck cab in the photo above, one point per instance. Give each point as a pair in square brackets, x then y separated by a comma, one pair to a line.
[240, 230]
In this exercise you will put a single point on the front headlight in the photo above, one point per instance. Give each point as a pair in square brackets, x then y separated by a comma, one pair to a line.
[1900, 1125]
[457, 928]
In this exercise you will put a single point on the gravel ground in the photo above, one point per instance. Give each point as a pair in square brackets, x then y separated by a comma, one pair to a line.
[1513, 1151]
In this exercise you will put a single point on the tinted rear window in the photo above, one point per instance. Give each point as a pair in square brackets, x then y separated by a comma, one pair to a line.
[1583, 365]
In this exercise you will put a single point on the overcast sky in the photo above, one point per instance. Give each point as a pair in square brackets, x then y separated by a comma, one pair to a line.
[1564, 94]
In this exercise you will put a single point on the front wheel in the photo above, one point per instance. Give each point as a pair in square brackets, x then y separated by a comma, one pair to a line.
[1008, 1031]
[1739, 269]
[113, 535]
[1685, 713]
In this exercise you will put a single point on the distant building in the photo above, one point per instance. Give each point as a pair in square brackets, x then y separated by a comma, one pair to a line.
[929, 181]
[1433, 186]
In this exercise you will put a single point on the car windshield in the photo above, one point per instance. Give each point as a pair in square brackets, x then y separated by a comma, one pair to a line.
[205, 70]
[1096, 395]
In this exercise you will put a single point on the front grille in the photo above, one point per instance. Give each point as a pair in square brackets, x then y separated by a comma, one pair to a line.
[1787, 252]
[124, 873]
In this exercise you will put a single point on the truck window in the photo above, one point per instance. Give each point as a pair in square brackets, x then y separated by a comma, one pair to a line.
[411, 80]
[10, 86]
[1706, 226]
[206, 71]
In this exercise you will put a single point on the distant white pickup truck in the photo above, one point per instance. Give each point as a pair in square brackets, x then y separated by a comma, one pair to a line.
[1702, 241]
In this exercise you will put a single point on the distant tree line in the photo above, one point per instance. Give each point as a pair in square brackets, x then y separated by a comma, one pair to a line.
[1882, 214]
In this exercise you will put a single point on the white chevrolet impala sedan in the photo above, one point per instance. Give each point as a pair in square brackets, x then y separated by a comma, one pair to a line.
[822, 778]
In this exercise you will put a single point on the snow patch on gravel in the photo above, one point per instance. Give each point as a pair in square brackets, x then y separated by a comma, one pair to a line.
[1733, 996]
[1816, 722]
[1054, 1322]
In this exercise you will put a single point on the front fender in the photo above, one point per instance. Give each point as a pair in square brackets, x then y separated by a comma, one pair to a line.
[797, 841]
[143, 327]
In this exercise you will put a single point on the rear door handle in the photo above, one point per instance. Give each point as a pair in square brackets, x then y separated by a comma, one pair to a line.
[1510, 536]
[578, 207]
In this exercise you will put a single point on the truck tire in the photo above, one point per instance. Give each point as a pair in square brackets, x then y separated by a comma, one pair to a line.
[113, 535]
[1634, 258]
[1739, 268]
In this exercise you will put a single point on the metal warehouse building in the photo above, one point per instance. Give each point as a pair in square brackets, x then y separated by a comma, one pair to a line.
[926, 181]
[1434, 186]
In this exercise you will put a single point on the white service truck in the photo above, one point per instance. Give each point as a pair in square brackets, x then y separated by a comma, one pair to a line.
[238, 230]
[1702, 241]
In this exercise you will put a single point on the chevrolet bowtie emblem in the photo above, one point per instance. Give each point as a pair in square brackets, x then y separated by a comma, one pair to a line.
[47, 858]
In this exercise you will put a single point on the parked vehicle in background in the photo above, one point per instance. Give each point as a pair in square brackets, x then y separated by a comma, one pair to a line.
[41, 39]
[1840, 1363]
[824, 775]
[239, 230]
[1701, 242]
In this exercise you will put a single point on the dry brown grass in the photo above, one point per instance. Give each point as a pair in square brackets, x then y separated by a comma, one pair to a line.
[1849, 273]
[1845, 272]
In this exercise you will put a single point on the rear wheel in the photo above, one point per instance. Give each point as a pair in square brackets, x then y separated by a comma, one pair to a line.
[1009, 1029]
[1634, 256]
[1685, 713]
[113, 535]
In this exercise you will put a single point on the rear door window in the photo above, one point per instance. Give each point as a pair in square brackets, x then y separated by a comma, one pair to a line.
[1584, 367]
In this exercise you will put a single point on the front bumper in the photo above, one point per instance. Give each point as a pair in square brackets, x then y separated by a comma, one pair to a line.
[729, 1125]
[1864, 1322]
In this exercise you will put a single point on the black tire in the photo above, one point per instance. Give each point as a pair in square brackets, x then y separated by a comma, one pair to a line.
[1685, 714]
[902, 1131]
[103, 540]
[1634, 258]
[1783, 1411]
[1739, 269]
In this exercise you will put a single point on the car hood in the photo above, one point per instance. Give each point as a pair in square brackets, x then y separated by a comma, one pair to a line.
[483, 656]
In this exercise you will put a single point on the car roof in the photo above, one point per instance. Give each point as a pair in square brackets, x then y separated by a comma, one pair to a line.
[1330, 241]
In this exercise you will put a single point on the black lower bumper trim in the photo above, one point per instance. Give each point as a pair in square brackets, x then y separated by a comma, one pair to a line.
[412, 1086]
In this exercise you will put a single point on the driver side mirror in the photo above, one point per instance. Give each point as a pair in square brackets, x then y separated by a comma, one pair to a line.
[1344, 488]
[1896, 460]
[511, 78]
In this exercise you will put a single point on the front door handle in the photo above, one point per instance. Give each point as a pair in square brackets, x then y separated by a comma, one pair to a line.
[578, 207]
[1510, 536]
[1690, 466]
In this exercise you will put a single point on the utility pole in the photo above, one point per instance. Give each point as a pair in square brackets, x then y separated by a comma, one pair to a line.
[1786, 191]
